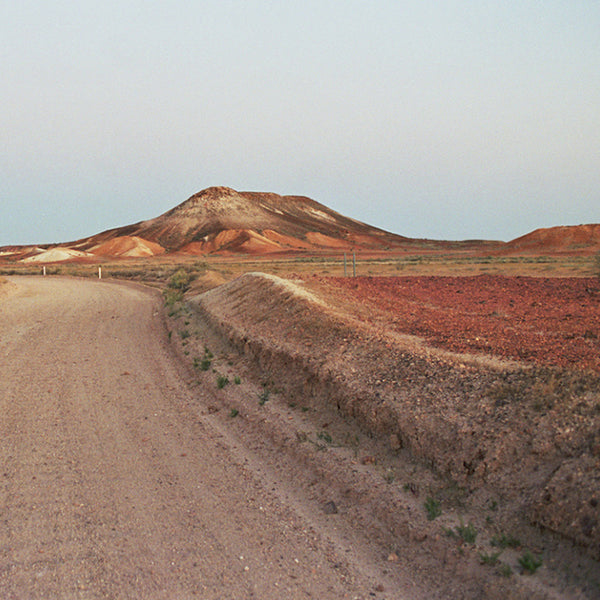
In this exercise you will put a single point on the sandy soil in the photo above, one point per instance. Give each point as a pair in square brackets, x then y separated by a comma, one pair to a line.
[118, 482]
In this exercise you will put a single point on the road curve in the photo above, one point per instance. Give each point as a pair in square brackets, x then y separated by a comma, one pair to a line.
[112, 483]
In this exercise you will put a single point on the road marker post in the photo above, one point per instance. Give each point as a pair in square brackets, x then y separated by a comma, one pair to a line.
[99, 272]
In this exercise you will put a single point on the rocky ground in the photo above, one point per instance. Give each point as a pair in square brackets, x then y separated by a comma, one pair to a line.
[537, 320]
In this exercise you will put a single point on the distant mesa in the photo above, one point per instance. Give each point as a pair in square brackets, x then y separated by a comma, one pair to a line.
[222, 221]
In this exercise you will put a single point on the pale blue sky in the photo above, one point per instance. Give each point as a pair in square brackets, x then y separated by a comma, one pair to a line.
[440, 119]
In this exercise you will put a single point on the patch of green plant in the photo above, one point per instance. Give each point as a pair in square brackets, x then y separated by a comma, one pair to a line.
[184, 334]
[208, 353]
[172, 297]
[222, 381]
[467, 533]
[501, 540]
[433, 508]
[489, 559]
[505, 570]
[234, 413]
[389, 476]
[180, 280]
[263, 397]
[325, 437]
[530, 563]
[237, 380]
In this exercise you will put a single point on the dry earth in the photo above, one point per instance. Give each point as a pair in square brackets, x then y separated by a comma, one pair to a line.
[129, 474]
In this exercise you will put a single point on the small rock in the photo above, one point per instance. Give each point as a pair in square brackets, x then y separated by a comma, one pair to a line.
[418, 536]
[368, 460]
[395, 443]
[393, 557]
[330, 508]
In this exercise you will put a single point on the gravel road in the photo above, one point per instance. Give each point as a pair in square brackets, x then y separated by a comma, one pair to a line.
[115, 484]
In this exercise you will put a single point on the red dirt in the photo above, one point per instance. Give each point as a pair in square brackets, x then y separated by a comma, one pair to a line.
[547, 321]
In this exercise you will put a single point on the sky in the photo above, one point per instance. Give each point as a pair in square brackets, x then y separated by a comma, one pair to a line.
[445, 119]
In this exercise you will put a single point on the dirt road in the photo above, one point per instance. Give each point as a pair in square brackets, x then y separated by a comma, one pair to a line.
[115, 483]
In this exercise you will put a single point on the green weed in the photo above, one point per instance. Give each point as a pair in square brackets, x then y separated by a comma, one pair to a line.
[433, 508]
[222, 381]
[489, 559]
[263, 397]
[530, 563]
[467, 533]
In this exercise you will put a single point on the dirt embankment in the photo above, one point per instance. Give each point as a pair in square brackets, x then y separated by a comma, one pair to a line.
[526, 436]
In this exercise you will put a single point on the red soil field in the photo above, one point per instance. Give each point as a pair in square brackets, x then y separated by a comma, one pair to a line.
[547, 321]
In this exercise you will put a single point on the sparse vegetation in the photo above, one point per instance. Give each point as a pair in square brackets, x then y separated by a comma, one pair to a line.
[467, 533]
[172, 297]
[530, 563]
[205, 362]
[180, 280]
[263, 397]
[325, 436]
[222, 381]
[433, 508]
[237, 380]
[489, 559]
[502, 540]
[505, 570]
[234, 413]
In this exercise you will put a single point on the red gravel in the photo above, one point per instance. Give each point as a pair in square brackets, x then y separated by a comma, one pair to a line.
[547, 321]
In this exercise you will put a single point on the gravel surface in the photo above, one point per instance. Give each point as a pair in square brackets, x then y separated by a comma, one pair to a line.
[539, 320]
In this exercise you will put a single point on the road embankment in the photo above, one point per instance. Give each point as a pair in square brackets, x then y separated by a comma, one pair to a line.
[526, 436]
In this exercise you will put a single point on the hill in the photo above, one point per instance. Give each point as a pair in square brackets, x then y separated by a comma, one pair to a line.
[568, 239]
[222, 220]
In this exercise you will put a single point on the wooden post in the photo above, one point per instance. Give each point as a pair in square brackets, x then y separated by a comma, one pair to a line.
[99, 272]
[344, 264]
[353, 264]
[44, 271]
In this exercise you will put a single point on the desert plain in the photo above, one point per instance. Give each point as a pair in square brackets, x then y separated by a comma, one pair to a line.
[423, 423]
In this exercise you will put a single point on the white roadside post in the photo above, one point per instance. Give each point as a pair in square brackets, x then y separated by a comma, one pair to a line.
[99, 272]
[44, 271]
